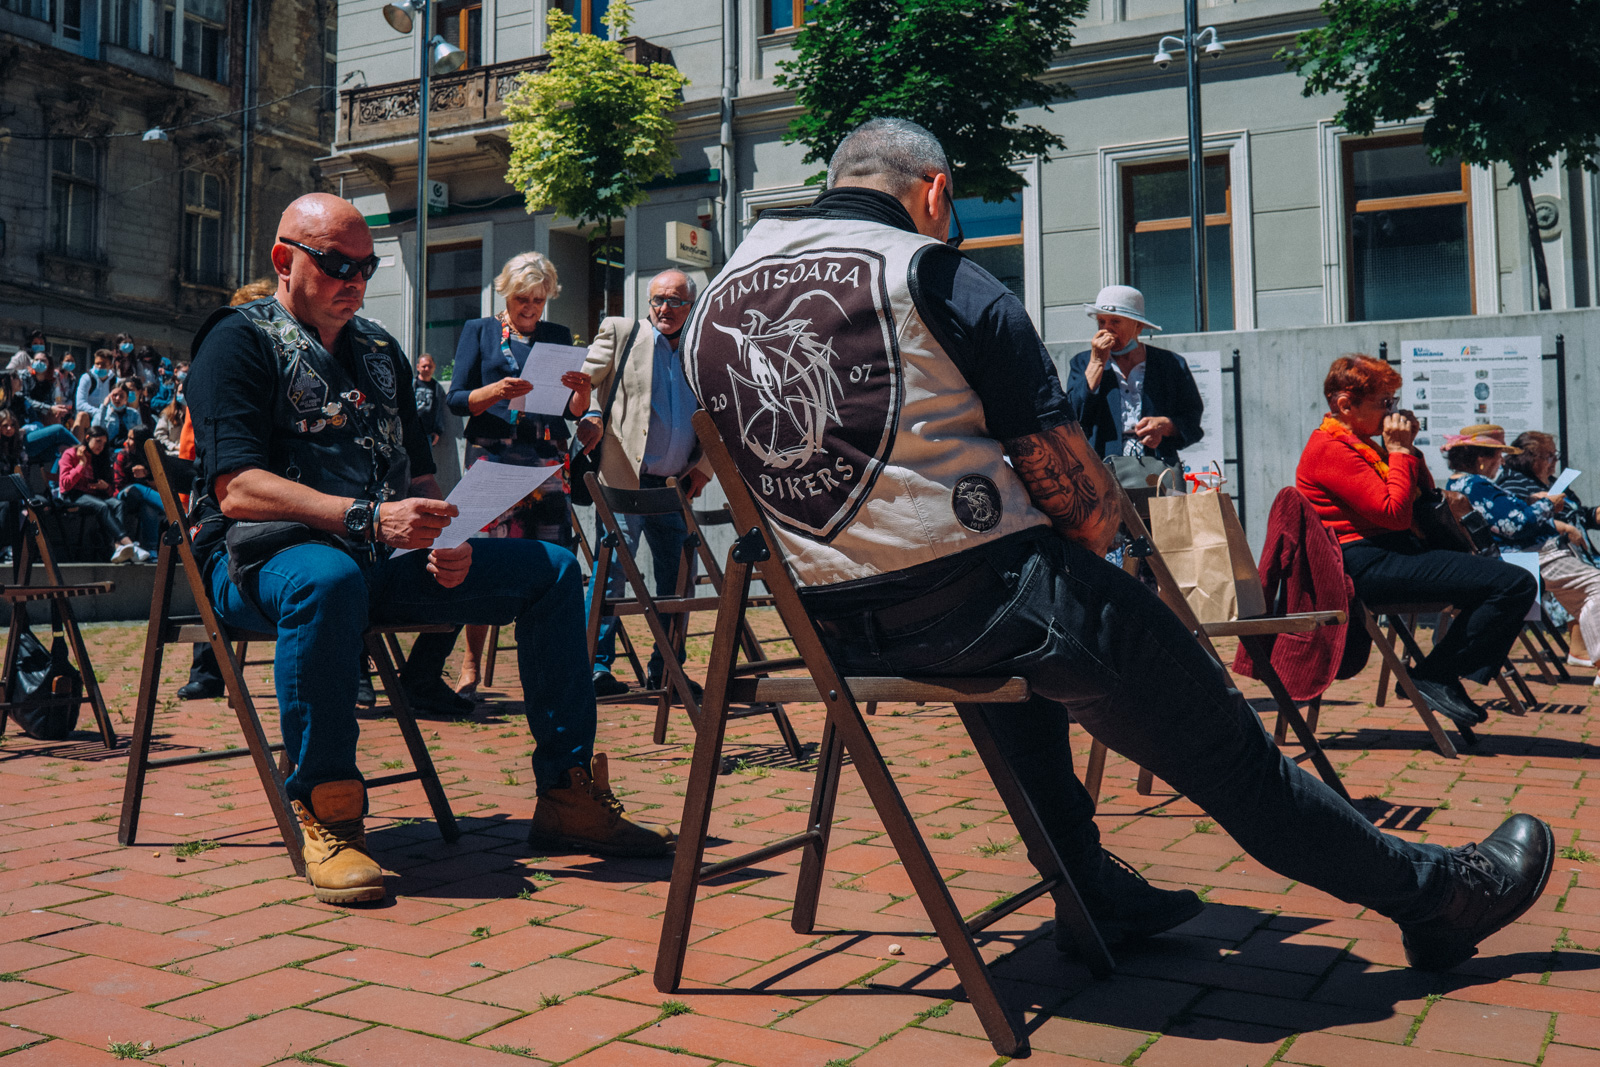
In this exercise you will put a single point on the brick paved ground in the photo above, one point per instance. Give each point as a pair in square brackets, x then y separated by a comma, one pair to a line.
[485, 953]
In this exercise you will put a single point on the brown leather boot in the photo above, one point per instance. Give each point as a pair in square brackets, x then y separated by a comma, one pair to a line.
[337, 862]
[584, 815]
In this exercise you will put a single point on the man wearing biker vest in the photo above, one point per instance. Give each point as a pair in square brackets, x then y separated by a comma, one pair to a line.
[892, 408]
[311, 469]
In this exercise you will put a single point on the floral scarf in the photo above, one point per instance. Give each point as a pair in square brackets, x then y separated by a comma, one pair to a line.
[1374, 459]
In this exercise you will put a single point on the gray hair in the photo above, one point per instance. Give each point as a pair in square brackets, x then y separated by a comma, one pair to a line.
[897, 151]
[687, 281]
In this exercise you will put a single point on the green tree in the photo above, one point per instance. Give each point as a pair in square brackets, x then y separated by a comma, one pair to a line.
[961, 68]
[592, 129]
[1500, 81]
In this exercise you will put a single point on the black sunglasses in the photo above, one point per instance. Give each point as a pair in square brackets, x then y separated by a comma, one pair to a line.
[955, 219]
[336, 264]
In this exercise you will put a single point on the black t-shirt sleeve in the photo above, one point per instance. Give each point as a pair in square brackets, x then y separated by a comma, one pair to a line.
[987, 333]
[228, 399]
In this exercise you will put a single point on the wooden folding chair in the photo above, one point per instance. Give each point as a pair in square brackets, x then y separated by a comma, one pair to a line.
[586, 554]
[35, 547]
[382, 644]
[667, 617]
[757, 551]
[1254, 633]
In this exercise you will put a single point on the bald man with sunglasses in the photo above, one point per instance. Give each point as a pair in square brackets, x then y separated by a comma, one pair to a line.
[312, 468]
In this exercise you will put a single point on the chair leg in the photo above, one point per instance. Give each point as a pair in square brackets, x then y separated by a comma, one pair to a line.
[1094, 772]
[1391, 661]
[1041, 850]
[145, 703]
[429, 777]
[813, 860]
[1313, 712]
[1539, 661]
[1261, 652]
[1513, 705]
[1558, 663]
[1383, 669]
[490, 655]
[1146, 783]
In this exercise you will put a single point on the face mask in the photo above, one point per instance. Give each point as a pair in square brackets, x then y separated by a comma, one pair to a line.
[38, 348]
[181, 375]
[69, 366]
[40, 366]
[126, 348]
[1125, 349]
[119, 405]
[102, 373]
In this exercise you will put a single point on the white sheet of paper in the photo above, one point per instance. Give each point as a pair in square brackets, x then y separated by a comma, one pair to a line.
[1528, 561]
[485, 492]
[544, 367]
[1568, 476]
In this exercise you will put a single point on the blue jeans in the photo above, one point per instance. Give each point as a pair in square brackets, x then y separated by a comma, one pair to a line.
[46, 442]
[665, 534]
[1094, 643]
[319, 600]
[141, 510]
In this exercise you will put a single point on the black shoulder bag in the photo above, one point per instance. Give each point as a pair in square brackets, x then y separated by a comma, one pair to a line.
[581, 462]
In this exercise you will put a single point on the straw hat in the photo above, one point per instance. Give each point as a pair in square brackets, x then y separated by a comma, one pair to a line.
[1122, 300]
[1482, 435]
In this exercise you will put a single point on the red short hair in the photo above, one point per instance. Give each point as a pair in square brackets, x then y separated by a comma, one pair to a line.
[1361, 377]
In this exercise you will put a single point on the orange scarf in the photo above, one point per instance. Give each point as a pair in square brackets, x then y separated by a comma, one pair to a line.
[1374, 459]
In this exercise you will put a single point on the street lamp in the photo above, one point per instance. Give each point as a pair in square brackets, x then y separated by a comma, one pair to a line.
[1193, 44]
[438, 57]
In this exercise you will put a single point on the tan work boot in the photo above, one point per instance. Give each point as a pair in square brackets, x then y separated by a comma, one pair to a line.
[337, 862]
[586, 816]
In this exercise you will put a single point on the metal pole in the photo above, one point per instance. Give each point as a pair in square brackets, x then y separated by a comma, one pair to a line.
[247, 88]
[420, 310]
[730, 89]
[1197, 166]
[1561, 395]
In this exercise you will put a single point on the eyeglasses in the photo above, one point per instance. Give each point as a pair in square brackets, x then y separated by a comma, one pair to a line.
[336, 265]
[955, 219]
[1389, 404]
[669, 302]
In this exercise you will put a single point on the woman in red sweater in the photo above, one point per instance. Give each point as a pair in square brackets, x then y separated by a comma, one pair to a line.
[1363, 491]
[86, 483]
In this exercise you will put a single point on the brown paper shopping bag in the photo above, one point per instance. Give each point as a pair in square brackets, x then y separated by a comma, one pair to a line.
[1200, 538]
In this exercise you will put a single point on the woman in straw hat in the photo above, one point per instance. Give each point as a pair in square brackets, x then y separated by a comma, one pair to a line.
[1524, 517]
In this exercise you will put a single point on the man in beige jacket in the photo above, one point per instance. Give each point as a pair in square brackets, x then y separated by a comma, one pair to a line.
[645, 438]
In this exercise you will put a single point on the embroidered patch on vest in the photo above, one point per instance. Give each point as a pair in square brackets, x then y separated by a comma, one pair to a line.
[976, 502]
[795, 359]
[307, 391]
[381, 368]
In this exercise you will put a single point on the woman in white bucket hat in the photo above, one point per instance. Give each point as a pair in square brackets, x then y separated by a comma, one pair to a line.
[1132, 398]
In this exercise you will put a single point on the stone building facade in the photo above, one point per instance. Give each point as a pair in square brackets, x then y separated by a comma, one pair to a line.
[149, 147]
[1306, 225]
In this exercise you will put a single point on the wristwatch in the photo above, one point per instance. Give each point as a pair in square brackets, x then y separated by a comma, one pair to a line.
[358, 519]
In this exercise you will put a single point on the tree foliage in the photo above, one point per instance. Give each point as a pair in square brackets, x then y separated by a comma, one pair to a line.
[961, 68]
[1500, 81]
[591, 130]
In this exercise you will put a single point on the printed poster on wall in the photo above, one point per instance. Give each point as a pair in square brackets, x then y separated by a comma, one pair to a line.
[1207, 370]
[1454, 384]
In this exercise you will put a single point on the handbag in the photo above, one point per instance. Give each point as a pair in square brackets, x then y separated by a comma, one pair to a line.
[1200, 538]
[1435, 521]
[579, 462]
[251, 544]
[45, 689]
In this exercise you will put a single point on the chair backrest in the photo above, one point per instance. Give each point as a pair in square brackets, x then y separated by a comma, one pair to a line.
[155, 460]
[662, 501]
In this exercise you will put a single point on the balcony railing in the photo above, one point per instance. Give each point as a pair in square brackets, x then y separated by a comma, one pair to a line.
[468, 98]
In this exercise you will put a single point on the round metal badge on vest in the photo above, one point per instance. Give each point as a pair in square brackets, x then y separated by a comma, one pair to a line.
[976, 502]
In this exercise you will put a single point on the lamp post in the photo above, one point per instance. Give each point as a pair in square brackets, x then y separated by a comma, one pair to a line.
[438, 57]
[1193, 44]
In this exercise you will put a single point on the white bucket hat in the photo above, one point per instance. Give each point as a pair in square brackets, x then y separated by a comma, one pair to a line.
[1122, 300]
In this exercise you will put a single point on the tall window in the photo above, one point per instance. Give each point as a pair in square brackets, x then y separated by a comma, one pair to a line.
[786, 14]
[202, 228]
[1156, 253]
[586, 15]
[455, 295]
[204, 32]
[462, 25]
[1406, 232]
[994, 238]
[74, 196]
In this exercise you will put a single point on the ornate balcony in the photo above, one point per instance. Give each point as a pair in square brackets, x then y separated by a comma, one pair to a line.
[475, 97]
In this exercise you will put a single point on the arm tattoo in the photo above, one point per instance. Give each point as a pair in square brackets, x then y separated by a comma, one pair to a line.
[1054, 466]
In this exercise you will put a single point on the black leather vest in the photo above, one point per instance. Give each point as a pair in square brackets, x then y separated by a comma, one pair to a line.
[332, 434]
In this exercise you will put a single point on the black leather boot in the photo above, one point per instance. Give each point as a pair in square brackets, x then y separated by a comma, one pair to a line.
[1123, 905]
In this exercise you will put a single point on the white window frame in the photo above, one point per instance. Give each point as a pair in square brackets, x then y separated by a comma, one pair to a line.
[1335, 278]
[1236, 144]
[754, 201]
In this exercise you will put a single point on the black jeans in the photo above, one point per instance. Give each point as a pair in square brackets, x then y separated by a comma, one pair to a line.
[1493, 598]
[1093, 641]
